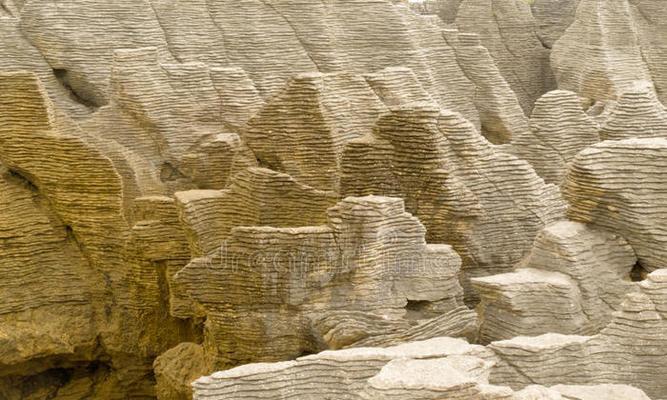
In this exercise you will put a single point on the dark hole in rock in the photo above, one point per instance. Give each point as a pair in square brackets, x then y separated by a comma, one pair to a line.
[75, 93]
[638, 273]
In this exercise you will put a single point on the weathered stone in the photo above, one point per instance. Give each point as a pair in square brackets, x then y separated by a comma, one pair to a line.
[571, 282]
[619, 186]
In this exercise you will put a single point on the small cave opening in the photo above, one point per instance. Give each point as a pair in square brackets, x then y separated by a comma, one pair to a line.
[419, 309]
[75, 92]
[638, 273]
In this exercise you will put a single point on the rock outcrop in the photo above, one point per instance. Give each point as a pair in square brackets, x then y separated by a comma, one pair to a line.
[571, 282]
[638, 113]
[500, 113]
[365, 275]
[433, 369]
[629, 350]
[619, 186]
[553, 18]
[190, 186]
[453, 179]
[559, 129]
[599, 56]
[508, 30]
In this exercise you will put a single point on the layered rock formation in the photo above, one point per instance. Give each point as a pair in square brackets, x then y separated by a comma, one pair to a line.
[599, 55]
[559, 129]
[638, 113]
[433, 369]
[630, 349]
[619, 185]
[297, 290]
[453, 179]
[507, 29]
[571, 282]
[500, 113]
[186, 187]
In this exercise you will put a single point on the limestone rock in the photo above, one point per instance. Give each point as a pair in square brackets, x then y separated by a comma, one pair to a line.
[335, 374]
[255, 197]
[571, 282]
[500, 113]
[89, 184]
[507, 29]
[188, 186]
[445, 9]
[618, 185]
[262, 289]
[177, 368]
[61, 35]
[44, 276]
[611, 392]
[397, 87]
[288, 38]
[454, 180]
[433, 369]
[630, 350]
[599, 56]
[553, 18]
[17, 53]
[559, 129]
[638, 113]
[303, 130]
[650, 26]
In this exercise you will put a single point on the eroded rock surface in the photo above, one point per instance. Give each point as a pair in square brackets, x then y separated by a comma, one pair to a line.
[186, 187]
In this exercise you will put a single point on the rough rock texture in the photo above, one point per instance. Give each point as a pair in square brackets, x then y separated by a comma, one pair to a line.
[433, 369]
[303, 130]
[500, 113]
[445, 9]
[295, 290]
[288, 37]
[559, 129]
[343, 373]
[44, 276]
[638, 113]
[187, 186]
[629, 350]
[90, 197]
[620, 186]
[454, 180]
[599, 56]
[573, 279]
[553, 17]
[507, 29]
[177, 368]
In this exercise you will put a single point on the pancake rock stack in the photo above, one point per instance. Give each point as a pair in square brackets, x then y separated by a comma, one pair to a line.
[638, 113]
[559, 129]
[367, 272]
[455, 180]
[500, 113]
[571, 282]
[553, 18]
[613, 355]
[508, 30]
[601, 55]
[619, 185]
[363, 199]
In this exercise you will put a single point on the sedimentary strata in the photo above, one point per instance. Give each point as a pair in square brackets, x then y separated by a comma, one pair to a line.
[187, 187]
